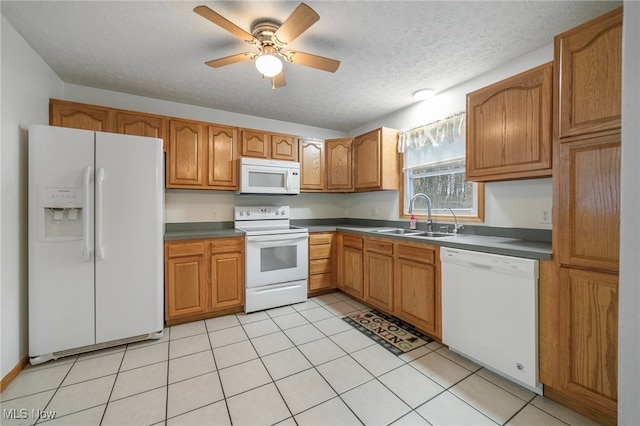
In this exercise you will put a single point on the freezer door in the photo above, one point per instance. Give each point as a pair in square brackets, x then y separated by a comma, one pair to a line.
[61, 285]
[129, 236]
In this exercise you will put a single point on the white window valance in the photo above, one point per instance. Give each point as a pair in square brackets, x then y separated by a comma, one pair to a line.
[446, 130]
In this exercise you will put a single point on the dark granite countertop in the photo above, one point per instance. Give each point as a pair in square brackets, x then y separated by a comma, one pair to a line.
[532, 244]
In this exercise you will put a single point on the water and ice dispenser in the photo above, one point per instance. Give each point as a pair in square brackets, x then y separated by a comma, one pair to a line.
[61, 211]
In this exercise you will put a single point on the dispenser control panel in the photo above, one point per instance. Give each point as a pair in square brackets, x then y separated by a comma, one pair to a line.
[61, 197]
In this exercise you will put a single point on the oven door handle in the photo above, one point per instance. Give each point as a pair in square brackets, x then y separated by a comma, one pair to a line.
[277, 237]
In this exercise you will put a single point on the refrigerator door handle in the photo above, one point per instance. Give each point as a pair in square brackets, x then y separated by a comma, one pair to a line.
[86, 250]
[99, 245]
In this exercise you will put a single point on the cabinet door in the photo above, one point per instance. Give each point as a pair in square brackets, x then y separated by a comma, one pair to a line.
[378, 278]
[80, 116]
[141, 125]
[587, 203]
[255, 144]
[352, 271]
[284, 147]
[588, 330]
[417, 295]
[367, 173]
[589, 76]
[227, 280]
[312, 165]
[222, 162]
[186, 280]
[186, 150]
[509, 127]
[339, 165]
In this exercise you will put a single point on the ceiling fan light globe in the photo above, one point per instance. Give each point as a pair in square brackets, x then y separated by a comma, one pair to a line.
[268, 65]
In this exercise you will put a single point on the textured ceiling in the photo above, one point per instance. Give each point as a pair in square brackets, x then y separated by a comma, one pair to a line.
[387, 49]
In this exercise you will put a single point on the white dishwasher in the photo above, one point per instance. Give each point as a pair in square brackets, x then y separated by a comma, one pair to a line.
[490, 312]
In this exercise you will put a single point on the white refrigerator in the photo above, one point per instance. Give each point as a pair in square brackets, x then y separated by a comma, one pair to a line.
[96, 276]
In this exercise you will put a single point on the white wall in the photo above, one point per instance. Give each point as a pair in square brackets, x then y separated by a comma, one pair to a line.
[629, 298]
[509, 204]
[27, 85]
[216, 206]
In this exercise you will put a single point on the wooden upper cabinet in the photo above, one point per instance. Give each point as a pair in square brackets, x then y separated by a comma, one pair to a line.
[284, 147]
[139, 124]
[587, 203]
[186, 159]
[589, 76]
[376, 160]
[312, 165]
[339, 165]
[80, 116]
[255, 143]
[259, 144]
[222, 154]
[509, 129]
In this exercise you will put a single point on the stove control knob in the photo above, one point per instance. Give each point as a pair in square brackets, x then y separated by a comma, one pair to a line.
[282, 212]
[241, 213]
[277, 212]
[248, 212]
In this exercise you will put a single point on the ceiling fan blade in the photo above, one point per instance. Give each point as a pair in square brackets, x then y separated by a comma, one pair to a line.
[223, 22]
[228, 60]
[314, 61]
[278, 81]
[297, 23]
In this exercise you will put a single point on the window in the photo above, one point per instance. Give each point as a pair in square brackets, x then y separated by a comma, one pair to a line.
[434, 164]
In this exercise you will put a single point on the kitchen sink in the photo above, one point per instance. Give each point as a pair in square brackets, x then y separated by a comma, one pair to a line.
[434, 234]
[399, 231]
[413, 233]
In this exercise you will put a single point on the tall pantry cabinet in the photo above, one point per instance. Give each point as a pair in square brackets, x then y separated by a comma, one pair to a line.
[579, 353]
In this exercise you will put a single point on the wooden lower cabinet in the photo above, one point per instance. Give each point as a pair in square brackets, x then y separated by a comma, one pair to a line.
[417, 287]
[186, 279]
[398, 278]
[227, 273]
[351, 264]
[321, 255]
[583, 371]
[378, 273]
[203, 278]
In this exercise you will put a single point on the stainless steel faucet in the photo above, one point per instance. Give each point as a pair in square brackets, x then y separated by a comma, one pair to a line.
[429, 219]
[456, 227]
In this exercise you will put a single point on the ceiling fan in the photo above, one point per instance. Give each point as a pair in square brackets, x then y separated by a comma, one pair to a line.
[271, 37]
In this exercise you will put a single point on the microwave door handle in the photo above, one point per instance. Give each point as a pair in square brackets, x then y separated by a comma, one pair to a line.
[287, 185]
[282, 237]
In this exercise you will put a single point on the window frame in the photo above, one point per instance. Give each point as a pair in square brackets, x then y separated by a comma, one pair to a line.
[479, 218]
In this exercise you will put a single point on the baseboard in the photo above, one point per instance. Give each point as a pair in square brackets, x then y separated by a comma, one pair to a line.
[13, 373]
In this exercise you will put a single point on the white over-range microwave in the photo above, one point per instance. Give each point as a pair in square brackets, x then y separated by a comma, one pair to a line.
[262, 176]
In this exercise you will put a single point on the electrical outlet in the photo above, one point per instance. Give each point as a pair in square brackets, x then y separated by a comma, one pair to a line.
[374, 212]
[214, 215]
[544, 215]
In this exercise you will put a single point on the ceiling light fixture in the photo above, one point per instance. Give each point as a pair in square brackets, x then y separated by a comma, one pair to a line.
[423, 94]
[268, 64]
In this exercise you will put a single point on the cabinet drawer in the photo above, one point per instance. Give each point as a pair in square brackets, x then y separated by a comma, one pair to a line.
[416, 252]
[320, 281]
[379, 246]
[223, 245]
[319, 266]
[321, 251]
[185, 249]
[352, 241]
[320, 239]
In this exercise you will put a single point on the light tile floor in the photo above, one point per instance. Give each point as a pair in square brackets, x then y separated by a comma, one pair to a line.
[298, 364]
